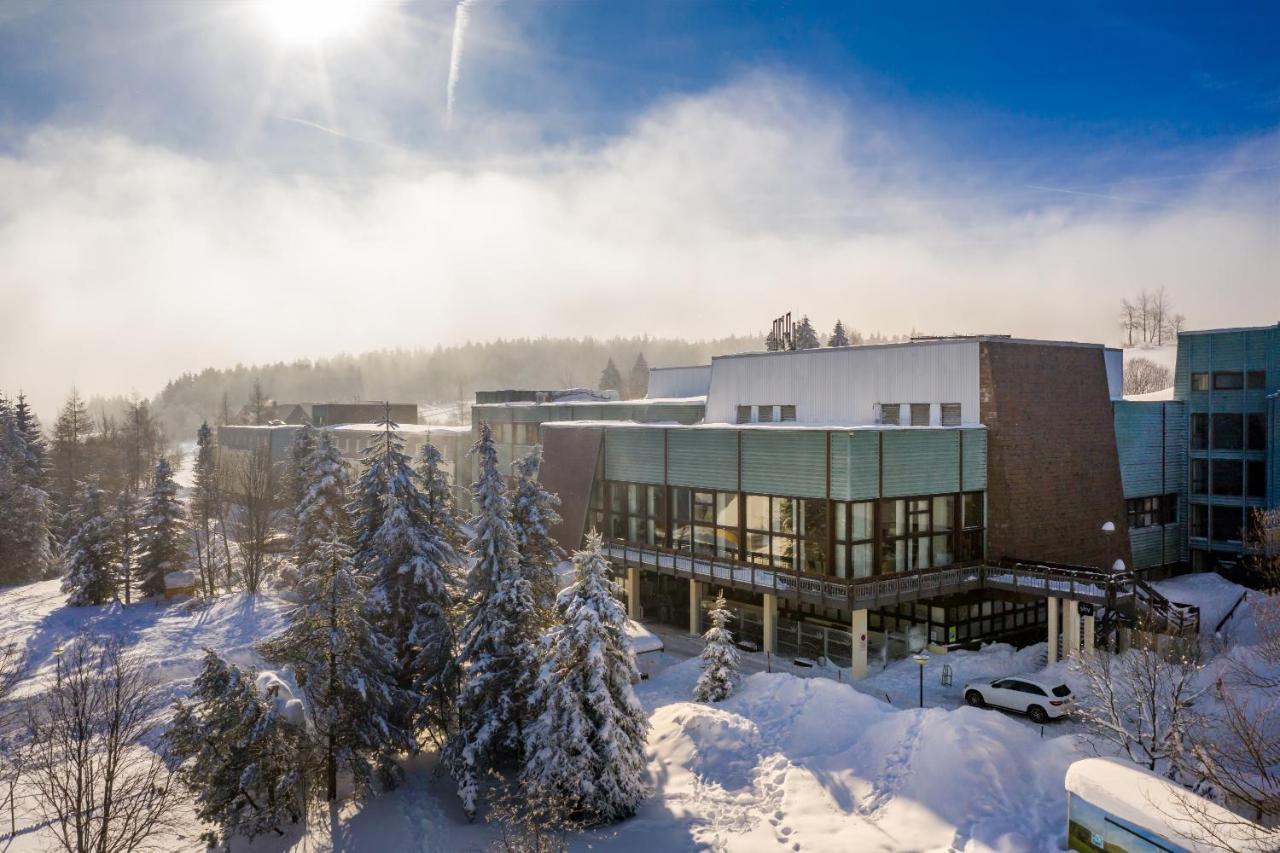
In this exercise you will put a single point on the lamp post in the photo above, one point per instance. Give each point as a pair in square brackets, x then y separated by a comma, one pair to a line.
[921, 659]
[57, 662]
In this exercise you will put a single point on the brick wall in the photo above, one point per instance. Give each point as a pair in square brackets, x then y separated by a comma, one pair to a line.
[1053, 469]
[569, 455]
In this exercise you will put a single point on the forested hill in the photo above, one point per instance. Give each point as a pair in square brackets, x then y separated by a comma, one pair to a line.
[427, 375]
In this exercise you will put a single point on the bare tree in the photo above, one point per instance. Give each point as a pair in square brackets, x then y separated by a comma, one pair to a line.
[1159, 306]
[98, 787]
[254, 519]
[1174, 325]
[258, 404]
[1145, 703]
[1142, 376]
[1128, 320]
[13, 668]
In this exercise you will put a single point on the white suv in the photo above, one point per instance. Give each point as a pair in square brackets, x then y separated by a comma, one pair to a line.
[1038, 699]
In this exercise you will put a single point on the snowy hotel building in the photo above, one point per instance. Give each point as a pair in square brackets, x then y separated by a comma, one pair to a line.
[944, 490]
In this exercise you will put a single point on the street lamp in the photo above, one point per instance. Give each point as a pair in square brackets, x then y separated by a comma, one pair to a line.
[921, 659]
[57, 662]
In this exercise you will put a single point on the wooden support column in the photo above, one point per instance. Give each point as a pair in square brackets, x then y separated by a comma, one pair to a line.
[633, 593]
[1070, 629]
[695, 607]
[770, 623]
[858, 669]
[1053, 630]
[1089, 630]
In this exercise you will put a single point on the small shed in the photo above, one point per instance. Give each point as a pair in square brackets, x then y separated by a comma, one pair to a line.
[179, 583]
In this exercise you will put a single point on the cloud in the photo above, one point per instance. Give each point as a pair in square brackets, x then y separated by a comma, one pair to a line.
[125, 264]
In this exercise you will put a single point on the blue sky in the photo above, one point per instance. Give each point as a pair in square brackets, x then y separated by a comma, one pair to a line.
[942, 167]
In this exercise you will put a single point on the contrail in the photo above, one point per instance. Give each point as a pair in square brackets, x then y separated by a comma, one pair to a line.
[461, 18]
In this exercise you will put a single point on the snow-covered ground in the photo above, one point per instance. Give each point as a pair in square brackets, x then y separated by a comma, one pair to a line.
[787, 763]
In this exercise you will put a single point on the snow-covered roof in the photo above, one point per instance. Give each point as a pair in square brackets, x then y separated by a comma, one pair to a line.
[1156, 804]
[642, 639]
[180, 580]
[644, 401]
[407, 429]
[778, 425]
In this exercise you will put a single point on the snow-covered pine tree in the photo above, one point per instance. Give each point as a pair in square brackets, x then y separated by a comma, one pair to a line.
[611, 379]
[206, 508]
[26, 541]
[720, 663]
[442, 510]
[345, 670]
[533, 514]
[241, 750]
[806, 337]
[90, 562]
[839, 337]
[498, 655]
[128, 539]
[165, 546]
[411, 599]
[585, 747]
[638, 381]
[297, 471]
[70, 431]
[321, 513]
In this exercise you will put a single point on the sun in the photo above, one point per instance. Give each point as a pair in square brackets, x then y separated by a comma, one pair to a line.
[310, 22]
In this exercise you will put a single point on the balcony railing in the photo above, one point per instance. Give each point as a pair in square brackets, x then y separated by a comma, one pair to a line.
[1120, 591]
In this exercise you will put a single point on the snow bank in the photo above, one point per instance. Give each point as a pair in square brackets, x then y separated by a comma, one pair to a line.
[1215, 596]
[180, 580]
[816, 765]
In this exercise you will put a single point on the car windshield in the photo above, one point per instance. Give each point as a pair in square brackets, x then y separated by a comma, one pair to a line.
[1062, 690]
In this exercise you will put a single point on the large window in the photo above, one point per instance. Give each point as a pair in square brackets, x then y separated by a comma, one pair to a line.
[1227, 521]
[1199, 382]
[1200, 521]
[1255, 478]
[855, 534]
[1199, 476]
[1255, 431]
[787, 533]
[1228, 431]
[1256, 379]
[1232, 380]
[810, 535]
[1228, 477]
[1199, 431]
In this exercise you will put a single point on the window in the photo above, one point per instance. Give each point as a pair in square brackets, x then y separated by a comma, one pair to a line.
[854, 539]
[1256, 380]
[788, 413]
[637, 512]
[1232, 380]
[1199, 382]
[1200, 521]
[889, 414]
[1228, 477]
[919, 414]
[951, 414]
[1228, 431]
[1255, 431]
[916, 533]
[787, 533]
[1226, 523]
[1199, 476]
[1152, 511]
[1256, 478]
[1199, 431]
[764, 414]
[744, 415]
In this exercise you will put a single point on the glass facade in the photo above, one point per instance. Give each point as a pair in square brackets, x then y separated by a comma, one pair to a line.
[814, 536]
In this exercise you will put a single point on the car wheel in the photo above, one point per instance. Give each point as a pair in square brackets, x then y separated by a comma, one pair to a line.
[1037, 715]
[974, 698]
